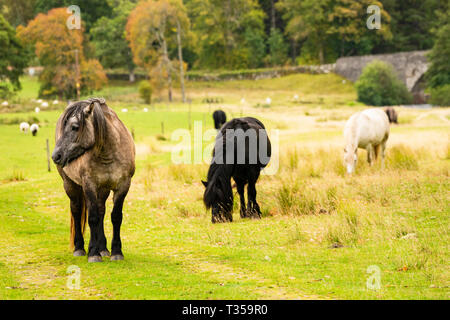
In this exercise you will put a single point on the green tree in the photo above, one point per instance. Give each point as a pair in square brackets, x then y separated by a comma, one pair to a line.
[380, 86]
[439, 72]
[221, 27]
[438, 75]
[347, 23]
[256, 45]
[331, 28]
[109, 38]
[13, 59]
[412, 22]
[307, 20]
[277, 48]
[17, 12]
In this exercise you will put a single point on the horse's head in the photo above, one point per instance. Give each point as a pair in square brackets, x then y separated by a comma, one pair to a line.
[350, 158]
[82, 127]
[392, 115]
[218, 197]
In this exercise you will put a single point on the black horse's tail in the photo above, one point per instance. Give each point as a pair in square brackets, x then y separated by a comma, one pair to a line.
[84, 214]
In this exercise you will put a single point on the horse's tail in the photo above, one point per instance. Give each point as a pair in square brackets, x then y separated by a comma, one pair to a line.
[84, 214]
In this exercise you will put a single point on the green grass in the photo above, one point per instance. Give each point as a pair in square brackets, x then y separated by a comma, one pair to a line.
[320, 231]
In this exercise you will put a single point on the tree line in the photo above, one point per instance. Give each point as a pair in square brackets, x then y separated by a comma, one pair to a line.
[168, 37]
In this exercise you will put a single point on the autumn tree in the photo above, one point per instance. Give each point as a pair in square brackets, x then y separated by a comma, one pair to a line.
[154, 29]
[13, 59]
[60, 51]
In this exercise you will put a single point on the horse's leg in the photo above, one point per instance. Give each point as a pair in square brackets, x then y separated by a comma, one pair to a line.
[116, 218]
[95, 206]
[253, 207]
[369, 154]
[75, 194]
[377, 151]
[102, 238]
[240, 184]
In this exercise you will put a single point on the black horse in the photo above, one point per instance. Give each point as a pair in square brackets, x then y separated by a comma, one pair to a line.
[219, 118]
[241, 151]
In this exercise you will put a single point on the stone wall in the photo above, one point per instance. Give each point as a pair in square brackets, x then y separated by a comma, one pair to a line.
[410, 66]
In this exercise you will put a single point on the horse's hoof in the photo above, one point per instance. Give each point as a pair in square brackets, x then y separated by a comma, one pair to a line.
[221, 220]
[117, 257]
[95, 259]
[79, 253]
[105, 253]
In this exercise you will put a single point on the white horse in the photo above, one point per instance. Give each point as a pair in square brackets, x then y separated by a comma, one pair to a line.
[24, 127]
[368, 129]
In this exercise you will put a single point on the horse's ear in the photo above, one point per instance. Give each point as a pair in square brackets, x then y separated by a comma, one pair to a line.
[205, 183]
[88, 109]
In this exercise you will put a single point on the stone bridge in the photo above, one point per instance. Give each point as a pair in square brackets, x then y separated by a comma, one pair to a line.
[410, 67]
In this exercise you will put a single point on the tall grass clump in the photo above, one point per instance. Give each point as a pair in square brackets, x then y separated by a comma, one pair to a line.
[293, 159]
[313, 164]
[16, 175]
[297, 199]
[344, 228]
[402, 157]
[186, 173]
[286, 198]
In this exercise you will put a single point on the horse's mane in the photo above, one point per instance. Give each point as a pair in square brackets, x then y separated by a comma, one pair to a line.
[98, 118]
[218, 189]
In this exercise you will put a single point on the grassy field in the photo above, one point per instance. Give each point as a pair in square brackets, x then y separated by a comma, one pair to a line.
[321, 230]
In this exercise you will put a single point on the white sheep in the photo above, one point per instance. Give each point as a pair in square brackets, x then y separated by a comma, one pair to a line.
[44, 104]
[37, 110]
[34, 129]
[145, 109]
[5, 103]
[124, 110]
[24, 127]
